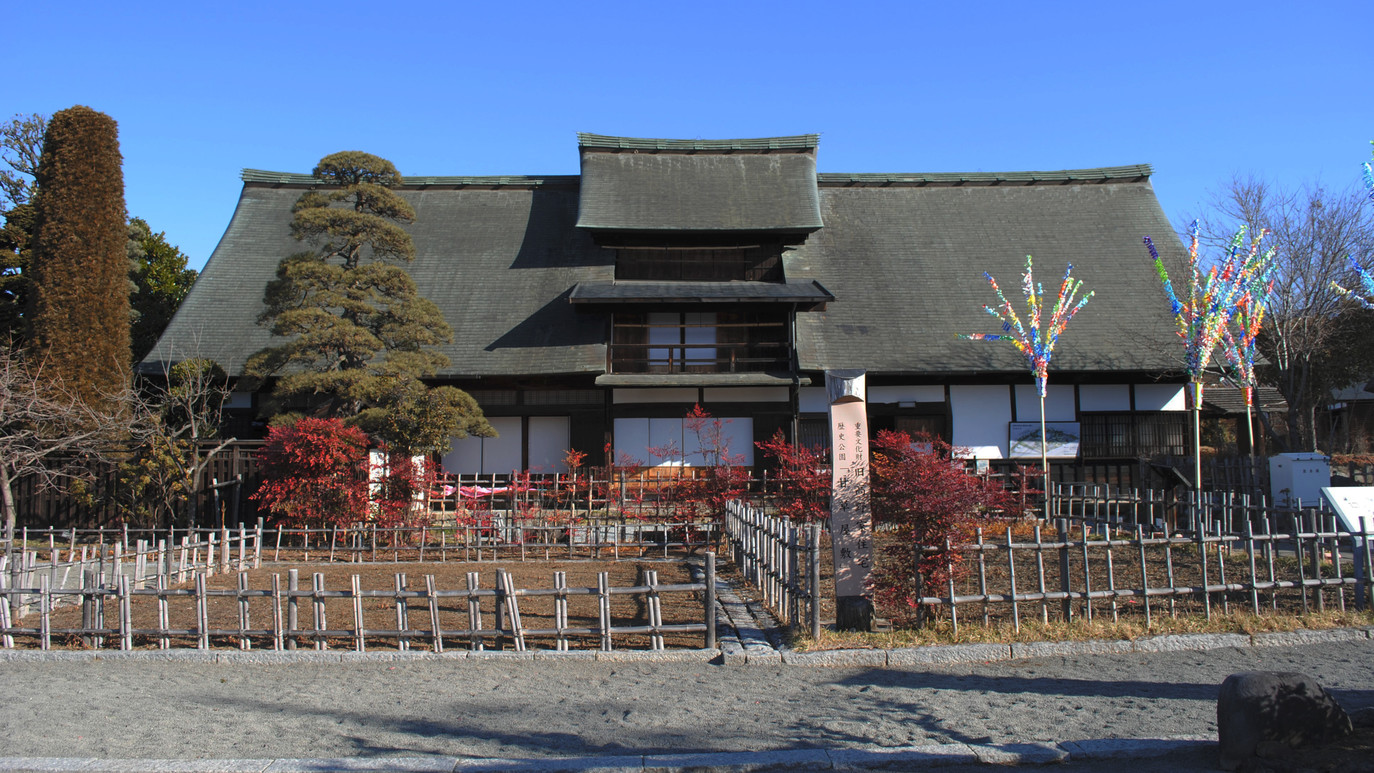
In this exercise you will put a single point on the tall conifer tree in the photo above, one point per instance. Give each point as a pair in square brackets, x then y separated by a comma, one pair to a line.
[361, 336]
[79, 296]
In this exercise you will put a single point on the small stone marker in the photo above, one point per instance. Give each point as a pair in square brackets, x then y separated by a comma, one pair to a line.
[1256, 709]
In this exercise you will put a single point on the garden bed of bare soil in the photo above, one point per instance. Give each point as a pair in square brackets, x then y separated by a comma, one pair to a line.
[380, 613]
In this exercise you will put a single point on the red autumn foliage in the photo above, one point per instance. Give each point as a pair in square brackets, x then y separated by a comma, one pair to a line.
[314, 473]
[399, 495]
[924, 492]
[802, 479]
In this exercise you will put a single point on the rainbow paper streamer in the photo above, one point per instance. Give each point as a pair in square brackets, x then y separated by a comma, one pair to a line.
[1369, 178]
[1213, 297]
[1366, 279]
[1038, 347]
[1241, 337]
[1366, 300]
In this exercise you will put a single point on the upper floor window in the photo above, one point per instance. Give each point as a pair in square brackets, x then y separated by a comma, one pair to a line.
[699, 342]
[759, 263]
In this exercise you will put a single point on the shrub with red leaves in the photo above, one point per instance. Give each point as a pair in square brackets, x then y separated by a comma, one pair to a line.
[398, 498]
[923, 490]
[803, 479]
[314, 473]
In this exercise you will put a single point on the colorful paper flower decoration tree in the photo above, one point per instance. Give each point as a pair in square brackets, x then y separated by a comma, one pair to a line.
[1366, 279]
[1035, 344]
[1202, 316]
[1241, 337]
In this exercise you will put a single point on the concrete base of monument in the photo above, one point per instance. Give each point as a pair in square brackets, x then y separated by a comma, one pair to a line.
[853, 613]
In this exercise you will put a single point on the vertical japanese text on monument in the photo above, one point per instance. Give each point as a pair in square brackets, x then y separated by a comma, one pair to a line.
[851, 520]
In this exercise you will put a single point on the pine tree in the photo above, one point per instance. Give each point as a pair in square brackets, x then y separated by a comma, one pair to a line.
[361, 336]
[161, 282]
[79, 294]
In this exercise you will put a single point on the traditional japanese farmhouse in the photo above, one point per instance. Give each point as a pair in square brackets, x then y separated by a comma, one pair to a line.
[599, 308]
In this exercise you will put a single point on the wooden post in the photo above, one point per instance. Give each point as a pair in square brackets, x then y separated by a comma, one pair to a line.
[402, 613]
[474, 581]
[88, 586]
[244, 642]
[436, 633]
[293, 586]
[317, 607]
[1065, 583]
[512, 608]
[44, 616]
[278, 643]
[560, 610]
[603, 598]
[359, 633]
[126, 640]
[163, 618]
[202, 614]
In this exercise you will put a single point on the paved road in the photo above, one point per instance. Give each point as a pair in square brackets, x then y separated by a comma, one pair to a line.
[116, 708]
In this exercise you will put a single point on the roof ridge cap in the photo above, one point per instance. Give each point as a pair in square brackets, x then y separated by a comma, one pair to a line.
[612, 142]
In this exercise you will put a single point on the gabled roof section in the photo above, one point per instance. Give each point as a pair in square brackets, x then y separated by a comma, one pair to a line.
[749, 185]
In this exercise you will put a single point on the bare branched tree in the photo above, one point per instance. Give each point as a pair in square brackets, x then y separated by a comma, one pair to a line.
[181, 412]
[48, 434]
[1307, 333]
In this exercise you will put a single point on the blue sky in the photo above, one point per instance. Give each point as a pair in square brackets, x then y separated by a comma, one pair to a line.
[1202, 91]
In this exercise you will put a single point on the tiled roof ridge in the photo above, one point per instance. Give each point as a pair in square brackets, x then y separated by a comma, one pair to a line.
[1093, 174]
[829, 179]
[414, 181]
[606, 142]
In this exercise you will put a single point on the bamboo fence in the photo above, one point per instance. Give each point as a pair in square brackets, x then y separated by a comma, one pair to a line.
[1315, 565]
[781, 559]
[484, 618]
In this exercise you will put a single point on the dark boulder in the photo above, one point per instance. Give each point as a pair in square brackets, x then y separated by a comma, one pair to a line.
[1259, 710]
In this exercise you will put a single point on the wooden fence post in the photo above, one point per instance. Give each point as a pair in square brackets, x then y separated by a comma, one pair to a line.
[710, 600]
[1065, 585]
[293, 586]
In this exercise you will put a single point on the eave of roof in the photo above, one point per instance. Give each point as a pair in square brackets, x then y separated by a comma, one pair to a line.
[699, 379]
[642, 291]
[605, 142]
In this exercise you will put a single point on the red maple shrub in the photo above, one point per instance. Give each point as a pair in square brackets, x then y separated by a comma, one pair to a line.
[314, 473]
[802, 479]
[923, 491]
[399, 494]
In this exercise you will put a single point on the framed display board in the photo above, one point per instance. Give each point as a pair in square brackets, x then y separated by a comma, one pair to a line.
[1025, 439]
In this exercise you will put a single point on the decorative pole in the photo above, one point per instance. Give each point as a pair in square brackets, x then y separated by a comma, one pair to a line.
[1242, 336]
[1038, 347]
[1201, 319]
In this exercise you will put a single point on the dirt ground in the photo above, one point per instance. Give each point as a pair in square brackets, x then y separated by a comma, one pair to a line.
[380, 612]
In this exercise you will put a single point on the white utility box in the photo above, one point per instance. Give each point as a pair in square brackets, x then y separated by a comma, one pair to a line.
[1298, 478]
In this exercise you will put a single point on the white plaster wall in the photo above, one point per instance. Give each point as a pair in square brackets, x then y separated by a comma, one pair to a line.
[475, 455]
[924, 393]
[981, 415]
[812, 400]
[548, 443]
[657, 395]
[634, 437]
[1104, 397]
[746, 394]
[1161, 397]
[1058, 403]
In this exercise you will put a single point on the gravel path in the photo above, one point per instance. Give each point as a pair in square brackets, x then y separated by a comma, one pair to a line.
[489, 708]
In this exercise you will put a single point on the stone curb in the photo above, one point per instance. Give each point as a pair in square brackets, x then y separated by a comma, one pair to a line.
[733, 654]
[874, 758]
